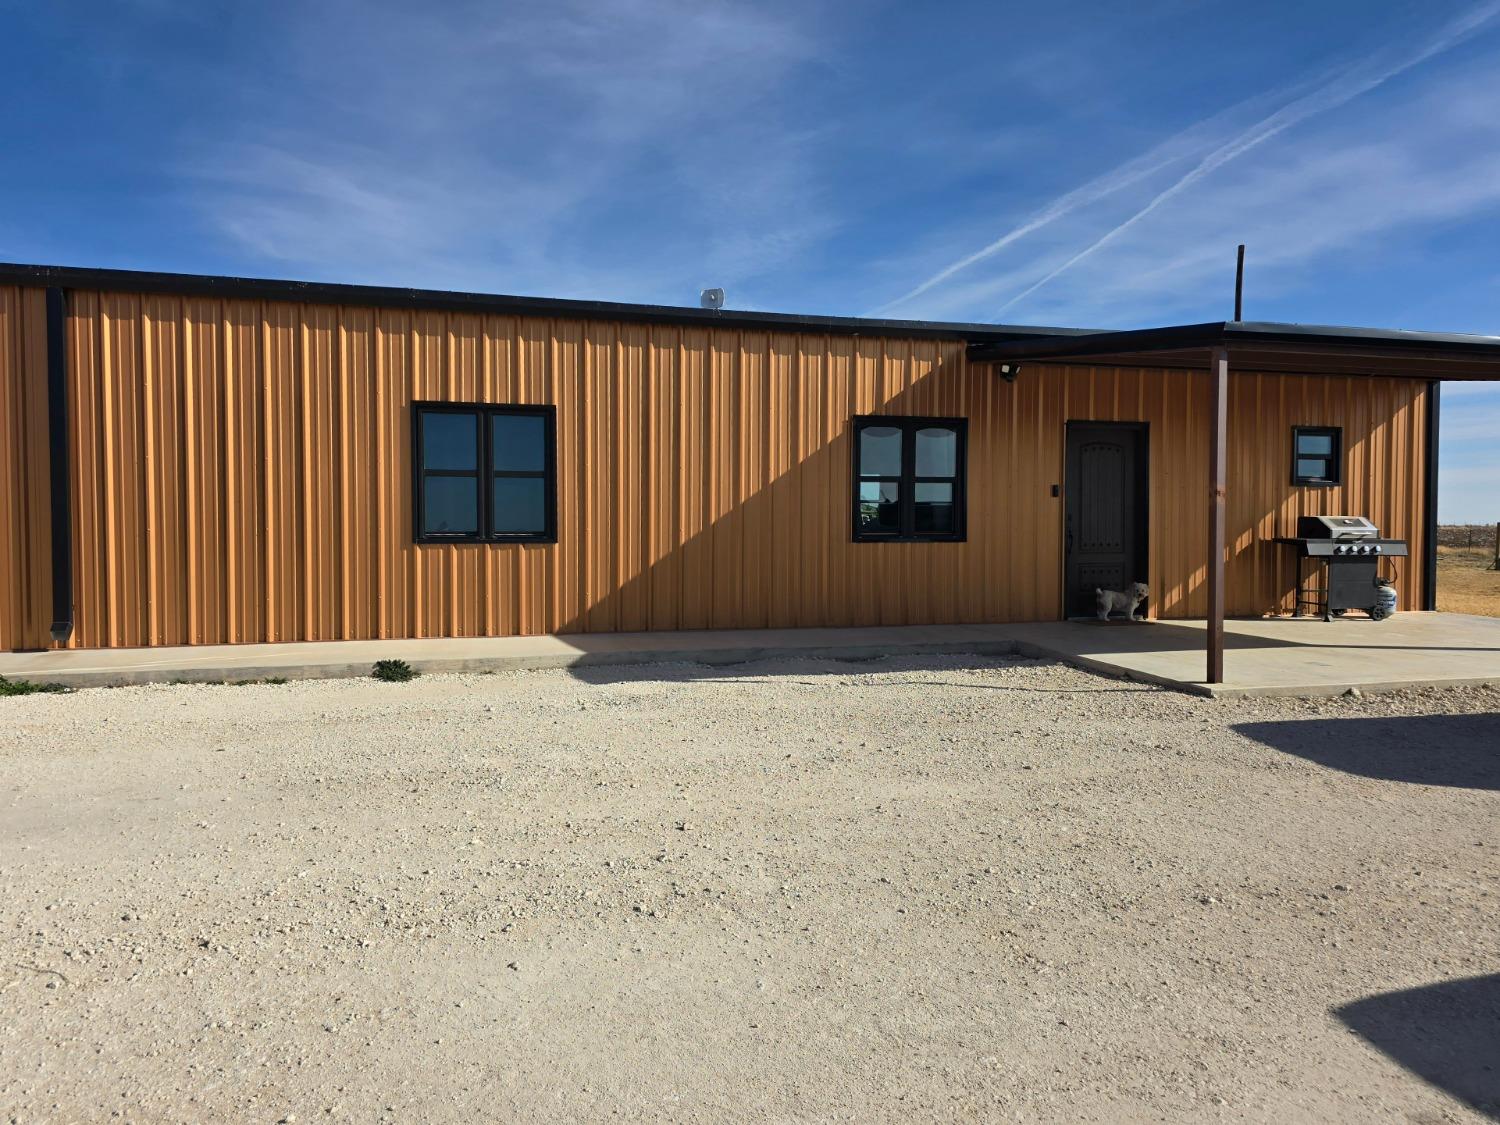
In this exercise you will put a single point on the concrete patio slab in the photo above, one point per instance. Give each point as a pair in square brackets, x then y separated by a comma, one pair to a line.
[1293, 657]
[1303, 657]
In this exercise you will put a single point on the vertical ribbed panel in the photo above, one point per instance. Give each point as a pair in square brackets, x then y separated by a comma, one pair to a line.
[1384, 438]
[25, 561]
[241, 472]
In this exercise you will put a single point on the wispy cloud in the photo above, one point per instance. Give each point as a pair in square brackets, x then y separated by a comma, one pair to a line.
[1176, 149]
[1343, 86]
[524, 149]
[1081, 223]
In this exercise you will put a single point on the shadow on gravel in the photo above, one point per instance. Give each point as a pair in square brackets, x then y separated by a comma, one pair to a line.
[1448, 1034]
[796, 669]
[889, 686]
[1457, 750]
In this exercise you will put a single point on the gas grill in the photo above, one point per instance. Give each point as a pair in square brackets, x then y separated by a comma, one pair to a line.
[1351, 550]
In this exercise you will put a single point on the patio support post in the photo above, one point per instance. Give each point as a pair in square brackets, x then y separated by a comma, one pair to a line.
[1218, 413]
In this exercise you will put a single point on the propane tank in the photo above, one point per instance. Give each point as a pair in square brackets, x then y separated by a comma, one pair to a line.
[1385, 599]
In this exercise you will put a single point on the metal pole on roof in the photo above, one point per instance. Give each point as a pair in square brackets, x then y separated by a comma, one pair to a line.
[1239, 285]
[1218, 413]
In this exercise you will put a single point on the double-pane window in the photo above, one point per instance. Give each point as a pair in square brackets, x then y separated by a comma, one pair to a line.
[485, 473]
[909, 478]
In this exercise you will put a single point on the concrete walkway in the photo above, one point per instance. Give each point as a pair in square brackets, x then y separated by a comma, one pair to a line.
[1286, 656]
[1264, 657]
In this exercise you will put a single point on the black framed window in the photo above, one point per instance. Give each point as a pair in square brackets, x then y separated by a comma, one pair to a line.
[1317, 454]
[484, 474]
[909, 477]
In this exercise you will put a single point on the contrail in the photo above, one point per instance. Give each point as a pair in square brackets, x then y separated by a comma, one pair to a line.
[1122, 177]
[1163, 155]
[1330, 95]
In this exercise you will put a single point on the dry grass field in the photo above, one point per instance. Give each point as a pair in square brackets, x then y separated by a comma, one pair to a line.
[1465, 582]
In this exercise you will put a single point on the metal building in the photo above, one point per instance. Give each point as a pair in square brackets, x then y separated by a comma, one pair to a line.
[196, 460]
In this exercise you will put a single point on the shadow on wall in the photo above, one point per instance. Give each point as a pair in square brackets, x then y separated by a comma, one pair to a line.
[1457, 750]
[1447, 1034]
[757, 530]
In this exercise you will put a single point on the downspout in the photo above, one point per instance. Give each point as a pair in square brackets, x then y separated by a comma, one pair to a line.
[1430, 545]
[57, 443]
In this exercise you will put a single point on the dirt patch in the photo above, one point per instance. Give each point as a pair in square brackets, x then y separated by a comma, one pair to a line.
[943, 887]
[1466, 584]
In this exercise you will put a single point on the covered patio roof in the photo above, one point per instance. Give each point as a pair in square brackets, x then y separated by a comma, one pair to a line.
[1313, 349]
[1307, 349]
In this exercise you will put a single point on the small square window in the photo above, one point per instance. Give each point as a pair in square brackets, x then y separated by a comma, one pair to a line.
[1317, 455]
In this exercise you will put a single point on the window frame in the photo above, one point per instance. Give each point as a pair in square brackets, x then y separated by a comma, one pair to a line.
[1334, 460]
[908, 479]
[483, 413]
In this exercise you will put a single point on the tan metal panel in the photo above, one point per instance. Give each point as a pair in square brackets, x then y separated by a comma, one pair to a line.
[242, 472]
[85, 471]
[25, 495]
[14, 473]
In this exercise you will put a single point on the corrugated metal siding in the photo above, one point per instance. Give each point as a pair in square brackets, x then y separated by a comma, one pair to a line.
[1384, 424]
[25, 495]
[241, 472]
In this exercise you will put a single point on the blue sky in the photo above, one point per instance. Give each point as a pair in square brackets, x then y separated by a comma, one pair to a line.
[1081, 164]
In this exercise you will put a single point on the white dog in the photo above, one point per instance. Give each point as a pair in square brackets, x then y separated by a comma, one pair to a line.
[1128, 599]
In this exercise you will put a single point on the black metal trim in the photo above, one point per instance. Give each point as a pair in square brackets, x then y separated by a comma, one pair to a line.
[1336, 457]
[484, 473]
[58, 461]
[379, 296]
[908, 424]
[1080, 344]
[1430, 547]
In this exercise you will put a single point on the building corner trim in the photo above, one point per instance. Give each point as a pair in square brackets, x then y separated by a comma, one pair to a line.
[57, 448]
[1430, 515]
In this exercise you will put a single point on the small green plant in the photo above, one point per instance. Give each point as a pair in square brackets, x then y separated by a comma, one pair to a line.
[26, 687]
[393, 671]
[274, 680]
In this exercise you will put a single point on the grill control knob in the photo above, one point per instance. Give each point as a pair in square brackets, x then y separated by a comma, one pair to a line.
[1377, 548]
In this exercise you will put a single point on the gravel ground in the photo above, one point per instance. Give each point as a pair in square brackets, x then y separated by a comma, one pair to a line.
[952, 888]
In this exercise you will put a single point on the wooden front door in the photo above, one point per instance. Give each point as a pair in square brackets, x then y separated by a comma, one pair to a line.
[1105, 513]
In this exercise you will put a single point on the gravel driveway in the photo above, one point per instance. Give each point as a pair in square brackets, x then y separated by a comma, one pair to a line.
[954, 888]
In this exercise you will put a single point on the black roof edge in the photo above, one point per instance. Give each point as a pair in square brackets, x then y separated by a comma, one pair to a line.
[1098, 343]
[379, 296]
[1253, 333]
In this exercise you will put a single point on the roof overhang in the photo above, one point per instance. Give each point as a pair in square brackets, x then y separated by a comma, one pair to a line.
[438, 300]
[1263, 346]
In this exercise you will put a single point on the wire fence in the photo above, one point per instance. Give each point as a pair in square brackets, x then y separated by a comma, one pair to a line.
[1476, 537]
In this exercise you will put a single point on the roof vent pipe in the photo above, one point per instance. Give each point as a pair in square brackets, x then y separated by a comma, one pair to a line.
[1239, 285]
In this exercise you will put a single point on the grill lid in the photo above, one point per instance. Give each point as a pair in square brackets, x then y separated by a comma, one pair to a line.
[1336, 527]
